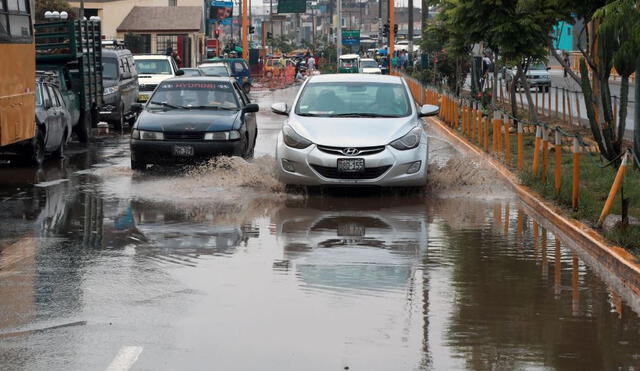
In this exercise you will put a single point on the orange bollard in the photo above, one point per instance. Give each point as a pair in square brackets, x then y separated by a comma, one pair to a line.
[485, 123]
[575, 192]
[617, 182]
[520, 146]
[558, 154]
[507, 142]
[545, 154]
[536, 152]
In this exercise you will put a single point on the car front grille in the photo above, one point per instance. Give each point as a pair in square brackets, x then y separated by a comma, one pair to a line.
[183, 136]
[362, 151]
[368, 173]
[147, 87]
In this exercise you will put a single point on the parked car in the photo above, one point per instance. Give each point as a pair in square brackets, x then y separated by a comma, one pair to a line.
[369, 65]
[194, 118]
[537, 76]
[52, 115]
[152, 70]
[216, 69]
[192, 72]
[353, 129]
[240, 70]
[120, 82]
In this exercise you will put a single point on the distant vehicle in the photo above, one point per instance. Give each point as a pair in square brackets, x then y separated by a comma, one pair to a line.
[52, 115]
[537, 76]
[349, 63]
[152, 70]
[73, 50]
[240, 70]
[120, 81]
[192, 72]
[194, 118]
[369, 65]
[353, 130]
[216, 69]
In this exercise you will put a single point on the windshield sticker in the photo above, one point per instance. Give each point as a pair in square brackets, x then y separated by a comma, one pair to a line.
[194, 86]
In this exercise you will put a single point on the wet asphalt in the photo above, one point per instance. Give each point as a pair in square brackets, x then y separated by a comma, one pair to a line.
[218, 268]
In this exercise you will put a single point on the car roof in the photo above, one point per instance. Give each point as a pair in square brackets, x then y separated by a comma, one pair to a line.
[213, 64]
[203, 79]
[350, 56]
[115, 52]
[355, 77]
[150, 56]
[367, 59]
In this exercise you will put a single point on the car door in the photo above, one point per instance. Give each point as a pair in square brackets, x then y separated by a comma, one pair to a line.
[128, 93]
[249, 118]
[65, 116]
[53, 136]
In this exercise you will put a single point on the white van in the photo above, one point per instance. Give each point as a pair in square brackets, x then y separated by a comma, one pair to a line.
[152, 70]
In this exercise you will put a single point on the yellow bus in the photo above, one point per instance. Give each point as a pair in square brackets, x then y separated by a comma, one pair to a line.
[17, 77]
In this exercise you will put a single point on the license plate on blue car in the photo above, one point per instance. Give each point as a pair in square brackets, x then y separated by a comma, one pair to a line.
[351, 165]
[184, 151]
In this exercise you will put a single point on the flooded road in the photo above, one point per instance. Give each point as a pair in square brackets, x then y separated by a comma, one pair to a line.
[218, 267]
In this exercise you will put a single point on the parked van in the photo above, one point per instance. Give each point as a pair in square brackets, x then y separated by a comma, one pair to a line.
[120, 81]
[349, 63]
[152, 70]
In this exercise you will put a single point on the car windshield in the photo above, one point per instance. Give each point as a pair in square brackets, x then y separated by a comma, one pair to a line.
[194, 94]
[347, 63]
[153, 66]
[110, 68]
[215, 71]
[538, 67]
[191, 72]
[365, 99]
[369, 64]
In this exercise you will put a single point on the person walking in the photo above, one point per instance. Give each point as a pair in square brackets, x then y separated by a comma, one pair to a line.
[311, 63]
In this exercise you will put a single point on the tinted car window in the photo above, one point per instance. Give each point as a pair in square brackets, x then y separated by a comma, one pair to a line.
[195, 94]
[215, 71]
[110, 68]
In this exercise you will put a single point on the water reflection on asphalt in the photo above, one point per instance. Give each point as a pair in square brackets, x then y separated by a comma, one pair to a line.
[256, 279]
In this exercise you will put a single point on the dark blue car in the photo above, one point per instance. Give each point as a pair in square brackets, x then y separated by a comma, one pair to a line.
[240, 70]
[191, 119]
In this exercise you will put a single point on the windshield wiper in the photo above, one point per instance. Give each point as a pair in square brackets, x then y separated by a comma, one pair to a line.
[212, 107]
[310, 115]
[361, 114]
[165, 104]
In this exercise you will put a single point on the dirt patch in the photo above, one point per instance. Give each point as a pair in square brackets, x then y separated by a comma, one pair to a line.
[464, 177]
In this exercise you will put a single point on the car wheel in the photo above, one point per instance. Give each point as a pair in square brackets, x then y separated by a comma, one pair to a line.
[247, 151]
[59, 153]
[36, 155]
[246, 87]
[137, 165]
[119, 124]
[83, 127]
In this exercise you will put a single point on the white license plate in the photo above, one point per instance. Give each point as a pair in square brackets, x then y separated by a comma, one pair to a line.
[184, 151]
[351, 165]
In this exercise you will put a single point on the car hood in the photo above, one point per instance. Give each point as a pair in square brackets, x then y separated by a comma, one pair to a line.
[352, 132]
[371, 70]
[152, 79]
[192, 120]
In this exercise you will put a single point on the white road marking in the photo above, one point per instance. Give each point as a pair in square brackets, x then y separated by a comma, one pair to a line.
[126, 357]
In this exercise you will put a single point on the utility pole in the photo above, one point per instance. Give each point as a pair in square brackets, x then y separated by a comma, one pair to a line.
[425, 14]
[245, 31]
[380, 38]
[339, 31]
[392, 34]
[636, 118]
[410, 29]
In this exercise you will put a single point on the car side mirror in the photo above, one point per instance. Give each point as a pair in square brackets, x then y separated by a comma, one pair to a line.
[136, 108]
[548, 68]
[429, 110]
[179, 73]
[280, 109]
[251, 107]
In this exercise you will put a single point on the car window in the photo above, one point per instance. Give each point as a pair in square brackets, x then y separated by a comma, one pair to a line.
[195, 94]
[238, 67]
[45, 95]
[54, 98]
[132, 66]
[369, 64]
[122, 66]
[110, 68]
[240, 94]
[38, 95]
[153, 66]
[339, 98]
[59, 96]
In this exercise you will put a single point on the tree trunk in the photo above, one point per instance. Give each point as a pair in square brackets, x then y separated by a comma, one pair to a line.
[636, 120]
[591, 112]
[533, 115]
[494, 92]
[622, 116]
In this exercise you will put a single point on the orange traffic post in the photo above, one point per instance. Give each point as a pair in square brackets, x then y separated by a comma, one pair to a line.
[520, 146]
[575, 191]
[478, 128]
[507, 141]
[617, 183]
[558, 154]
[536, 152]
[494, 125]
[485, 124]
[456, 115]
[545, 154]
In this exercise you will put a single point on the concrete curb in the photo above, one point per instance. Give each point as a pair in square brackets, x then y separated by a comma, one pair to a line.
[614, 258]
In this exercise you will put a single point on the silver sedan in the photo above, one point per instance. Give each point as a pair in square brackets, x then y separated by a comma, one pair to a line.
[353, 129]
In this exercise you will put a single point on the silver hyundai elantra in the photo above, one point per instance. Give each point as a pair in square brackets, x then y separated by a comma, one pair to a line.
[353, 129]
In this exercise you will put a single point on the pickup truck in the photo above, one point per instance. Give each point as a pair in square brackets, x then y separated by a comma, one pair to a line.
[72, 49]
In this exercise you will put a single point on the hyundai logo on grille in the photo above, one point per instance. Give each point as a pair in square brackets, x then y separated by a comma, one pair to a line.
[350, 151]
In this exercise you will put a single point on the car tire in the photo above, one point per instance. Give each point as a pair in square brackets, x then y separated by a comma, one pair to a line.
[246, 87]
[59, 153]
[36, 151]
[247, 150]
[137, 165]
[83, 127]
[119, 124]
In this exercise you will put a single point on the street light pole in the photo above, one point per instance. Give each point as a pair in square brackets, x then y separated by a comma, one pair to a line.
[245, 30]
[339, 31]
[410, 29]
[392, 35]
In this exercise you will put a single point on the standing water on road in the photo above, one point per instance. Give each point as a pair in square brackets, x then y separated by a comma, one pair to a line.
[218, 267]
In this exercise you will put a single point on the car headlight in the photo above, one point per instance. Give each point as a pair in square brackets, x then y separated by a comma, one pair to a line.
[147, 135]
[110, 90]
[409, 140]
[293, 139]
[222, 135]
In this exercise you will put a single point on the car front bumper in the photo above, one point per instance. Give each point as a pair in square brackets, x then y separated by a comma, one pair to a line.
[315, 167]
[162, 151]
